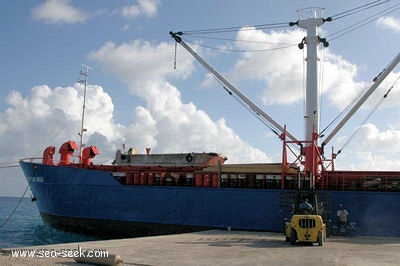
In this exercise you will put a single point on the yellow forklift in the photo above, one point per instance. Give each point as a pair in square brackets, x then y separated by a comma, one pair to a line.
[305, 225]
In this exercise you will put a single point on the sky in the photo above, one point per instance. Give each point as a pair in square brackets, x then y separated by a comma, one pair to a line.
[146, 92]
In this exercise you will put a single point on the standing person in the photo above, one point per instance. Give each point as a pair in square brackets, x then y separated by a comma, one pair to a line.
[321, 210]
[323, 213]
[343, 216]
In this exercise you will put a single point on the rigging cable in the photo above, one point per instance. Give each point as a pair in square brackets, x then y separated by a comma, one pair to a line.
[358, 9]
[237, 28]
[321, 83]
[304, 83]
[364, 22]
[369, 115]
[107, 160]
[9, 165]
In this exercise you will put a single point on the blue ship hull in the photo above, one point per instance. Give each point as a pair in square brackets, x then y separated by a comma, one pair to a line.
[93, 202]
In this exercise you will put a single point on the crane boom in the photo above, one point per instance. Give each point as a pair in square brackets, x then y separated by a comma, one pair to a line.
[226, 83]
[377, 81]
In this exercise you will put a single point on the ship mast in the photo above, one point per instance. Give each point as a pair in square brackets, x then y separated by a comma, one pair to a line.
[84, 81]
[310, 19]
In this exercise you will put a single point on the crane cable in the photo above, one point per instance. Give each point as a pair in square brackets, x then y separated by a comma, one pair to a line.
[197, 33]
[269, 125]
[352, 103]
[236, 40]
[238, 50]
[256, 114]
[369, 115]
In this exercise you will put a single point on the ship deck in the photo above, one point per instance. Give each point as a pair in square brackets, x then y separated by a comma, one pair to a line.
[218, 247]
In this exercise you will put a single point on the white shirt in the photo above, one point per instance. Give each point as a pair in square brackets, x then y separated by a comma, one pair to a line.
[342, 214]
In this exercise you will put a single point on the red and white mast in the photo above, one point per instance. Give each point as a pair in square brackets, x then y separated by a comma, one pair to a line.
[310, 19]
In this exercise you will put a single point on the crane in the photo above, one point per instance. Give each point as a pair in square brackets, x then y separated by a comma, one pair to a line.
[231, 87]
[309, 19]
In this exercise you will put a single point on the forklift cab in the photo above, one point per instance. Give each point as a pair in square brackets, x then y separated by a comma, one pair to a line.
[306, 225]
[305, 202]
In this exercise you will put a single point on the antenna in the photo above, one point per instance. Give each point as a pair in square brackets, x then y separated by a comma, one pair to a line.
[84, 81]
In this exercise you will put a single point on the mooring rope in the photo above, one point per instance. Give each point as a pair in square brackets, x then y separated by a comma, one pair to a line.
[19, 201]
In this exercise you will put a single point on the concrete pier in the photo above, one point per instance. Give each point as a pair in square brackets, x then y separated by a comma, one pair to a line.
[218, 247]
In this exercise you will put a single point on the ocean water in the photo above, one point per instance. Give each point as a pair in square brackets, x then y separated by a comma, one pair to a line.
[26, 228]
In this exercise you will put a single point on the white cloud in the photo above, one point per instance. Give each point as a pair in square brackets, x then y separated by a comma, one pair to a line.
[283, 72]
[141, 61]
[339, 80]
[52, 116]
[166, 122]
[383, 141]
[389, 23]
[372, 149]
[58, 11]
[146, 8]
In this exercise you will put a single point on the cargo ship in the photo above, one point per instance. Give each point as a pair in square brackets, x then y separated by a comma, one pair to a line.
[143, 194]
